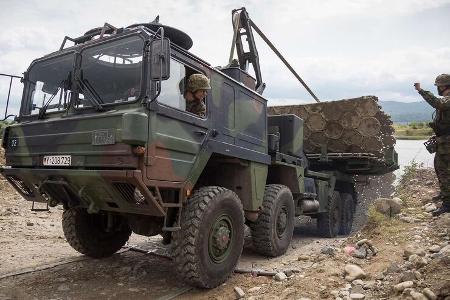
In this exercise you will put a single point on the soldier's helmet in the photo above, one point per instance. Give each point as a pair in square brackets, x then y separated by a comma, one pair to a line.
[198, 82]
[442, 80]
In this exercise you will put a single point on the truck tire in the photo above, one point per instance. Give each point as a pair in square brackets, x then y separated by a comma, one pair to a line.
[87, 233]
[347, 213]
[207, 247]
[328, 223]
[272, 232]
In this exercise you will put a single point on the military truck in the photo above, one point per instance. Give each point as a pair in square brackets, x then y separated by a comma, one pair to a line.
[103, 131]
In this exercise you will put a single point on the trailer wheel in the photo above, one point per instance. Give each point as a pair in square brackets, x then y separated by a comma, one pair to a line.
[207, 247]
[89, 233]
[347, 213]
[272, 232]
[329, 223]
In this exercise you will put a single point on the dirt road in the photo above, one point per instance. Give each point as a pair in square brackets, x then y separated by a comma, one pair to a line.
[30, 239]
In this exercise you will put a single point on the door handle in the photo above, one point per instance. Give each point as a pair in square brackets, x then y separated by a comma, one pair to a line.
[200, 132]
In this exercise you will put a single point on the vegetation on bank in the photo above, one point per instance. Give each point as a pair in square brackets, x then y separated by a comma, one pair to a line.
[413, 131]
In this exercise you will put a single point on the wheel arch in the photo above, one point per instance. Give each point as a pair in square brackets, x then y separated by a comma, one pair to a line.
[246, 178]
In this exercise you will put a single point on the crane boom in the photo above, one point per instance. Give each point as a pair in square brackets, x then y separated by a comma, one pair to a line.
[243, 26]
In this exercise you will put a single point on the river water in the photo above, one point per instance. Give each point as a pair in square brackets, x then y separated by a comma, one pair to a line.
[412, 150]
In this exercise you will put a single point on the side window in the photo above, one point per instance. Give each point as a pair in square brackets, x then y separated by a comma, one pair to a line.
[174, 93]
[172, 89]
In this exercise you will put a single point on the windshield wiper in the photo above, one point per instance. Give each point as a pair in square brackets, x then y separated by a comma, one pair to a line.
[44, 108]
[87, 86]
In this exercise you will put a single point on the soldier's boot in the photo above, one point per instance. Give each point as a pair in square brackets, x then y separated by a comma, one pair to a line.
[445, 208]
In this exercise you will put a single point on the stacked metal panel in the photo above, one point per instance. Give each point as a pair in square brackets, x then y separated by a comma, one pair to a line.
[355, 125]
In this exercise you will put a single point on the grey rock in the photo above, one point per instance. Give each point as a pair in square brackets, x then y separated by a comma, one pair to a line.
[63, 287]
[357, 296]
[289, 273]
[303, 258]
[407, 276]
[418, 296]
[387, 206]
[429, 294]
[434, 249]
[357, 289]
[430, 207]
[369, 285]
[418, 275]
[411, 249]
[445, 250]
[334, 293]
[407, 219]
[254, 289]
[280, 276]
[407, 291]
[353, 272]
[403, 285]
[239, 292]
[418, 261]
[358, 282]
[360, 253]
[393, 268]
[328, 250]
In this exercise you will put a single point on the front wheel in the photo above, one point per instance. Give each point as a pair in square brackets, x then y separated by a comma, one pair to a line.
[272, 232]
[207, 247]
[91, 235]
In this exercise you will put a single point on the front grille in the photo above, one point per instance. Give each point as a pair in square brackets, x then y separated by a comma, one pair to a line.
[20, 186]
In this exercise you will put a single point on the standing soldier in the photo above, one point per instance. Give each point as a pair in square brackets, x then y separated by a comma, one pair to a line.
[441, 127]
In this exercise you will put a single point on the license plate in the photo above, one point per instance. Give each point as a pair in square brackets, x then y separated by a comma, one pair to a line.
[57, 160]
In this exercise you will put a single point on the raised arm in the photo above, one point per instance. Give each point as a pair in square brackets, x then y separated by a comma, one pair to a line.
[436, 102]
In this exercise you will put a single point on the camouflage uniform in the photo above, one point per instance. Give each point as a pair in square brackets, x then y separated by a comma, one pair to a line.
[196, 107]
[197, 82]
[441, 126]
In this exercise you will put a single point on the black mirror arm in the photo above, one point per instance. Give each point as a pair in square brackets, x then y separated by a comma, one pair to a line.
[161, 57]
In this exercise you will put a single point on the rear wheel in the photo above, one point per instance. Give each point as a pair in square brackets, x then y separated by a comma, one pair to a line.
[90, 234]
[329, 223]
[347, 213]
[208, 246]
[272, 232]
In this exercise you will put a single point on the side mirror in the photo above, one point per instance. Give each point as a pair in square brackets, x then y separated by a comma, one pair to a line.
[160, 59]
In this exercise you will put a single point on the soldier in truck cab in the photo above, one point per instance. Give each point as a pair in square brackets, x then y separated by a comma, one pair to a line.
[196, 90]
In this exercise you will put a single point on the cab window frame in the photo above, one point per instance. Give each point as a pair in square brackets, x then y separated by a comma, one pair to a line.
[193, 70]
[143, 72]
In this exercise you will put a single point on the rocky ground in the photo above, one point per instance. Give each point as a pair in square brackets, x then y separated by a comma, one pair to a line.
[401, 254]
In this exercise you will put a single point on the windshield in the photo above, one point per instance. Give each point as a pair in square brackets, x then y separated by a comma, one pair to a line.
[111, 73]
[47, 83]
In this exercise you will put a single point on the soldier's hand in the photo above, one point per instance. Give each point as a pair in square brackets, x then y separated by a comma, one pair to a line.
[417, 86]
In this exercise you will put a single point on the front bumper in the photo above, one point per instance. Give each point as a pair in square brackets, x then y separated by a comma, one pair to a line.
[109, 190]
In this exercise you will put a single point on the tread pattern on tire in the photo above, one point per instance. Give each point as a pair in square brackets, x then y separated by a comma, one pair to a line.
[324, 222]
[184, 241]
[89, 241]
[260, 229]
[347, 214]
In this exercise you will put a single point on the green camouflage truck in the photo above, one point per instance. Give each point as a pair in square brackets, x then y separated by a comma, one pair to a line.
[103, 131]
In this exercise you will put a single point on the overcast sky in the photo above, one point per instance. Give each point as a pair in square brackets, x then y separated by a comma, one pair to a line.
[342, 49]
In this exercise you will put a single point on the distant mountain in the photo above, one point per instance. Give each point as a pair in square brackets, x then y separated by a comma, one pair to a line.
[406, 112]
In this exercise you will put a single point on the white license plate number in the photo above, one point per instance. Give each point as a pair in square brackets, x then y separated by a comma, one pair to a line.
[57, 160]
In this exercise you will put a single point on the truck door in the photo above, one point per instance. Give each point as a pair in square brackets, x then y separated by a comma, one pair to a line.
[176, 135]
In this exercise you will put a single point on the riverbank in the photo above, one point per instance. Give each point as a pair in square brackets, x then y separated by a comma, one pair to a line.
[413, 131]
